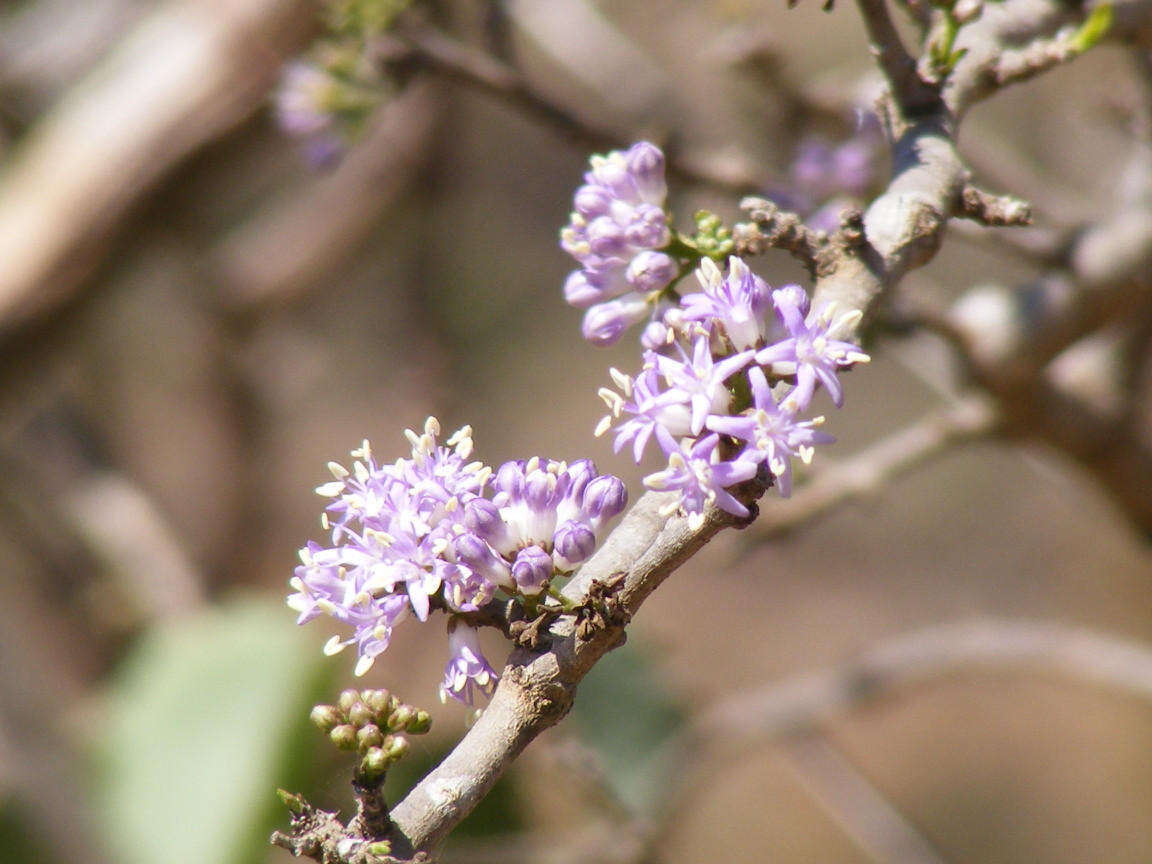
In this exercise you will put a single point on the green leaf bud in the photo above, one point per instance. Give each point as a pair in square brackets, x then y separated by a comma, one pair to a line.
[295, 803]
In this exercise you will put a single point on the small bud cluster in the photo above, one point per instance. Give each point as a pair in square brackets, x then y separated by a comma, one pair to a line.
[705, 391]
[372, 722]
[324, 97]
[438, 531]
[617, 226]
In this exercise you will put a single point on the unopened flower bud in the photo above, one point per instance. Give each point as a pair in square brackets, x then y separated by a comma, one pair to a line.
[374, 763]
[397, 748]
[377, 700]
[325, 717]
[646, 163]
[369, 736]
[347, 699]
[400, 718]
[650, 271]
[967, 11]
[592, 201]
[344, 736]
[532, 570]
[360, 714]
[605, 323]
[420, 723]
[605, 497]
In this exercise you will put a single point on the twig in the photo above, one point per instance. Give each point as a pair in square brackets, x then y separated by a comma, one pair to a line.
[993, 210]
[281, 251]
[865, 814]
[984, 645]
[536, 691]
[183, 78]
[467, 65]
[872, 469]
[912, 94]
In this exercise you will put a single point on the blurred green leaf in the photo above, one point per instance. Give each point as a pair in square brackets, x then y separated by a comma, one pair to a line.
[624, 711]
[203, 718]
[1093, 28]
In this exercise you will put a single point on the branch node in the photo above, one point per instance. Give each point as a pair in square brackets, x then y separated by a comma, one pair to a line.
[602, 609]
[774, 228]
[533, 635]
[993, 210]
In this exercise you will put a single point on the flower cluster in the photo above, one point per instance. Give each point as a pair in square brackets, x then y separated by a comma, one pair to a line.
[422, 534]
[705, 393]
[616, 228]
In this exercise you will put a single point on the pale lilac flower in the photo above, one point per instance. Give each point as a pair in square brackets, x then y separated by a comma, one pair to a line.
[418, 534]
[532, 570]
[812, 351]
[303, 110]
[653, 410]
[773, 434]
[616, 226]
[701, 478]
[467, 672]
[699, 380]
[605, 323]
[739, 303]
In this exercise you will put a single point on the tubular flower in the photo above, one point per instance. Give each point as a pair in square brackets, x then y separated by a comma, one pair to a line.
[729, 368]
[420, 534]
[616, 228]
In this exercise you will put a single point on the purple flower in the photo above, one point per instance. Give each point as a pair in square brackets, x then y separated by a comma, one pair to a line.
[617, 224]
[653, 410]
[532, 569]
[303, 110]
[417, 534]
[700, 477]
[773, 434]
[698, 380]
[605, 323]
[739, 303]
[467, 671]
[812, 352]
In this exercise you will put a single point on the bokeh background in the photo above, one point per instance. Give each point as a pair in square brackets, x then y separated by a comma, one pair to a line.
[194, 321]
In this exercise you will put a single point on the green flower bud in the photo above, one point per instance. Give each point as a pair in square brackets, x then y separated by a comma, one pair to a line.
[360, 714]
[397, 747]
[347, 699]
[369, 736]
[420, 723]
[401, 717]
[374, 763]
[326, 717]
[344, 736]
[377, 700]
[293, 802]
[381, 848]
